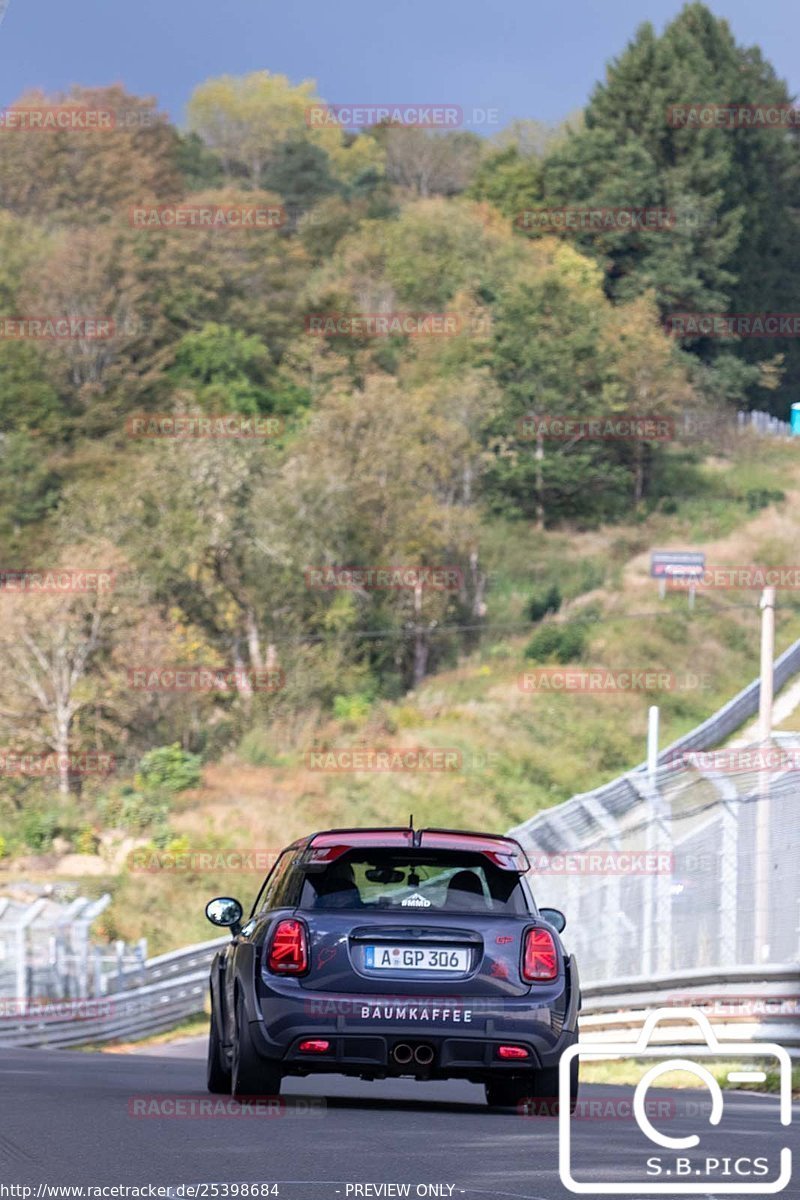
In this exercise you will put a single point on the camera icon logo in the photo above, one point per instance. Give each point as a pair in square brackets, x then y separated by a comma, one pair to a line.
[677, 1172]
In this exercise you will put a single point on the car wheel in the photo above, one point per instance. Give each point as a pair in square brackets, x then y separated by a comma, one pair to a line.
[251, 1075]
[536, 1094]
[507, 1093]
[543, 1094]
[218, 1075]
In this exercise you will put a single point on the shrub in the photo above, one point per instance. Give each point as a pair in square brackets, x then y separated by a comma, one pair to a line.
[38, 828]
[354, 707]
[138, 810]
[87, 841]
[757, 498]
[169, 769]
[564, 643]
[257, 750]
[542, 603]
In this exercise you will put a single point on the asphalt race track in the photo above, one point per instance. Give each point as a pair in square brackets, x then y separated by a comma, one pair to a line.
[65, 1118]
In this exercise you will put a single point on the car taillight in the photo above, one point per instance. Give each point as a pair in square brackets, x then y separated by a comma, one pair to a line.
[512, 1052]
[540, 960]
[314, 1046]
[288, 951]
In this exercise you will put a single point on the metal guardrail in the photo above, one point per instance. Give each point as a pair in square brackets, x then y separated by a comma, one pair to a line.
[176, 989]
[166, 967]
[752, 1003]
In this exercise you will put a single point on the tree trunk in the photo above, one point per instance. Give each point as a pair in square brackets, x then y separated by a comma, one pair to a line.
[253, 640]
[638, 472]
[243, 685]
[421, 648]
[539, 459]
[62, 752]
[478, 586]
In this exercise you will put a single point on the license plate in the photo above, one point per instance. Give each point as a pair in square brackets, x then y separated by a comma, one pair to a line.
[416, 958]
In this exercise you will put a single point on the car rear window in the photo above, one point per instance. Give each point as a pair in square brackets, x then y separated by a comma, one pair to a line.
[403, 880]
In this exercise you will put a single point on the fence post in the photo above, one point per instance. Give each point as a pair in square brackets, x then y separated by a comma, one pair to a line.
[728, 941]
[141, 950]
[97, 988]
[612, 891]
[27, 919]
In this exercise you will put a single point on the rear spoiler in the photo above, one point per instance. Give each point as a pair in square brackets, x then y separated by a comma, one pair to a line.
[324, 848]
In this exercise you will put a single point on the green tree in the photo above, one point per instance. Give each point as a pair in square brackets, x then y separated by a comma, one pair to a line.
[510, 181]
[301, 174]
[231, 371]
[736, 244]
[82, 176]
[562, 351]
[29, 487]
[248, 119]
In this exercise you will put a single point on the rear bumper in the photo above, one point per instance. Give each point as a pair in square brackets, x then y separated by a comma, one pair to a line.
[363, 1038]
[454, 1056]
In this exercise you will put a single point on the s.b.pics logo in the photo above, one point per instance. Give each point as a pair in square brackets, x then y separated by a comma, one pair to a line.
[701, 1157]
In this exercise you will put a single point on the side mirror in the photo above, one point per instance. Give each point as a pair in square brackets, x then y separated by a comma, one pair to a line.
[554, 917]
[227, 912]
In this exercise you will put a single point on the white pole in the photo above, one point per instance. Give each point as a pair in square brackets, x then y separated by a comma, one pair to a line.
[767, 656]
[652, 741]
[649, 897]
[762, 839]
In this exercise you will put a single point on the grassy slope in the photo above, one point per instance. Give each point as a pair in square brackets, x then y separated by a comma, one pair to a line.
[521, 752]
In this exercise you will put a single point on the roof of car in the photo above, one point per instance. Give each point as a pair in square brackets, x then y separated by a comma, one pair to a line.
[329, 844]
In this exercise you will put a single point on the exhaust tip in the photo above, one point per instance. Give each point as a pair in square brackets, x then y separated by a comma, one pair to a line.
[424, 1055]
[402, 1053]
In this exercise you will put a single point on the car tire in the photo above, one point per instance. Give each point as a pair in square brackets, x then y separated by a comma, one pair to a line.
[251, 1075]
[542, 1098]
[535, 1094]
[218, 1074]
[505, 1093]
